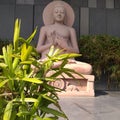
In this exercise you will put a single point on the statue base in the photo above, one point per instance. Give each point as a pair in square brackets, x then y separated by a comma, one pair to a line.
[75, 87]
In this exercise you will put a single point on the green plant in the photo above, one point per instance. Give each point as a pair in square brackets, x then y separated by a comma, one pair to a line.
[25, 94]
[3, 42]
[103, 52]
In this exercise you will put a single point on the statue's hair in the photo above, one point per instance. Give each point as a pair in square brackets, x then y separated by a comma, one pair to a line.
[59, 4]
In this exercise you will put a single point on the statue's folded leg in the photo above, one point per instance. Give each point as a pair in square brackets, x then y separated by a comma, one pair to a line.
[80, 67]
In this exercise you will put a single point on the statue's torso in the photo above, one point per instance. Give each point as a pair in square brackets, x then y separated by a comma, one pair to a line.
[62, 32]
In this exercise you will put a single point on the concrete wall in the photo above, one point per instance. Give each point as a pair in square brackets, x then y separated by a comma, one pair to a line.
[92, 16]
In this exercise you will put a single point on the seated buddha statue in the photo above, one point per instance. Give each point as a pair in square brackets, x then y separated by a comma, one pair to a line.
[58, 17]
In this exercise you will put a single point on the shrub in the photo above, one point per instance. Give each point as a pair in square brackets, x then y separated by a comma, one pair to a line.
[103, 52]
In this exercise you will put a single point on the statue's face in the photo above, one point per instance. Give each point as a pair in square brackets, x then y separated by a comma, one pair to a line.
[59, 13]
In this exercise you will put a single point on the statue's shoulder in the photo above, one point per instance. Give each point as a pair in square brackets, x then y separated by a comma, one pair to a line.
[46, 27]
[70, 28]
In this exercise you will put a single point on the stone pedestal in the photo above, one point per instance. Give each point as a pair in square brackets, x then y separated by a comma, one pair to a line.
[76, 87]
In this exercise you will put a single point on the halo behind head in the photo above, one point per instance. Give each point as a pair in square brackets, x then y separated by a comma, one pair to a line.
[48, 13]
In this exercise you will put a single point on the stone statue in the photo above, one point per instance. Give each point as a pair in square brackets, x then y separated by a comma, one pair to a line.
[58, 18]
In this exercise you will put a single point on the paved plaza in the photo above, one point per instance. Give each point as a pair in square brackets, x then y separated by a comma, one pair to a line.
[104, 106]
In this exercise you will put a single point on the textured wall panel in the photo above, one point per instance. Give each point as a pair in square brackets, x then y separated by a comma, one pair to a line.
[101, 3]
[109, 3]
[38, 21]
[25, 13]
[113, 22]
[6, 21]
[117, 3]
[25, 2]
[92, 3]
[97, 21]
[80, 3]
[7, 1]
[77, 21]
[84, 21]
[42, 2]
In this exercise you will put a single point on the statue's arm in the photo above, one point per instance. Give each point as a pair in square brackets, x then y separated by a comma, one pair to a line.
[41, 46]
[74, 45]
[71, 45]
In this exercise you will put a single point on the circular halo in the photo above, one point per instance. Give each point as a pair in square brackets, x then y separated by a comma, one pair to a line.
[48, 13]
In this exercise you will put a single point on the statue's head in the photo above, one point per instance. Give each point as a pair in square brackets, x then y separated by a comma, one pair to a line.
[58, 11]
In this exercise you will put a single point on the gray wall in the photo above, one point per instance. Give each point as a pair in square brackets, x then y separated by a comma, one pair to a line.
[92, 16]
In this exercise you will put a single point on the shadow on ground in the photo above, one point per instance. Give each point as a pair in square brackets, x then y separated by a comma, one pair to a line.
[100, 93]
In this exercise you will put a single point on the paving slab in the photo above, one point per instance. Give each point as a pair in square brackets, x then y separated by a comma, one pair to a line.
[104, 106]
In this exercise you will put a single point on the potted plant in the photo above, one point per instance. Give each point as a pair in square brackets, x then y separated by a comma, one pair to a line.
[25, 94]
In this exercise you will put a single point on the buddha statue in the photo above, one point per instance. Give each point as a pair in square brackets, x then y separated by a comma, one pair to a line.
[58, 17]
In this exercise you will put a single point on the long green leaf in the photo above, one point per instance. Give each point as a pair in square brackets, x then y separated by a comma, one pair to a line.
[13, 115]
[15, 63]
[33, 80]
[56, 74]
[72, 71]
[25, 99]
[16, 33]
[5, 55]
[67, 56]
[50, 88]
[23, 113]
[32, 36]
[3, 83]
[1, 57]
[3, 65]
[52, 111]
[22, 39]
[9, 55]
[51, 51]
[37, 118]
[28, 52]
[25, 52]
[50, 118]
[49, 98]
[26, 62]
[30, 100]
[36, 104]
[8, 111]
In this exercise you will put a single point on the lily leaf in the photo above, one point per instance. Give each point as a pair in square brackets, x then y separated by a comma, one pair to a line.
[33, 80]
[49, 98]
[26, 62]
[3, 83]
[1, 56]
[51, 118]
[3, 65]
[38, 118]
[8, 111]
[16, 33]
[32, 36]
[52, 111]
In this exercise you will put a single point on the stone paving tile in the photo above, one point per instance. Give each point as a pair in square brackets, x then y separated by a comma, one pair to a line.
[101, 107]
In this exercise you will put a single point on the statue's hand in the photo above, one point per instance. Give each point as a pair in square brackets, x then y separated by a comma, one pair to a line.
[52, 37]
[62, 43]
[59, 41]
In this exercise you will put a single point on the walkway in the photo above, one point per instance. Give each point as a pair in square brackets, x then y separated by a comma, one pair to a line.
[105, 106]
